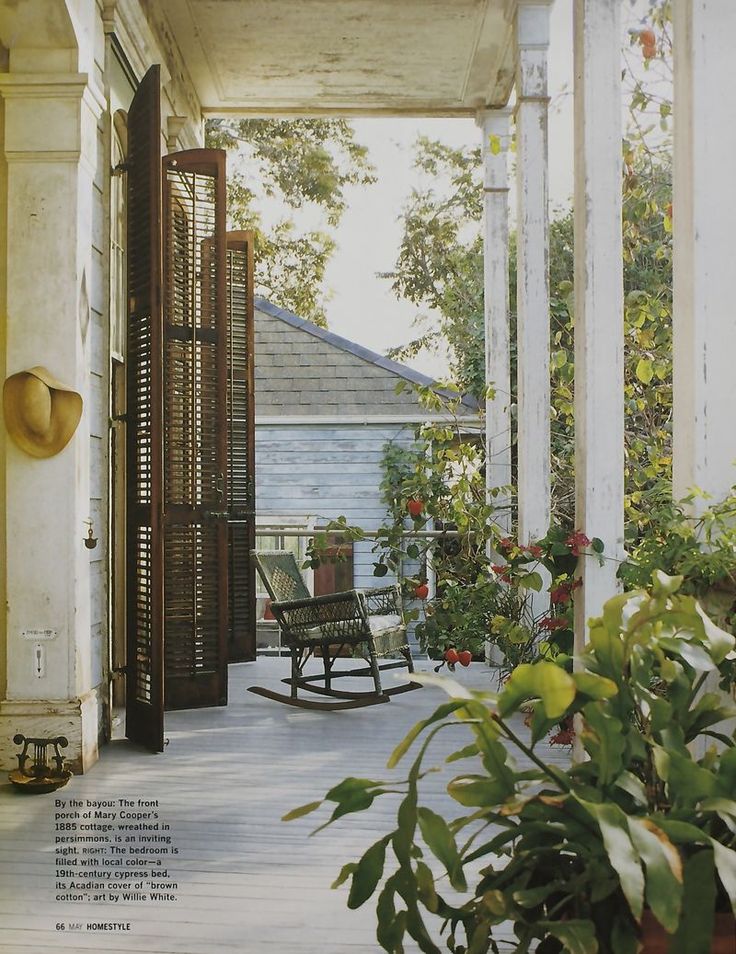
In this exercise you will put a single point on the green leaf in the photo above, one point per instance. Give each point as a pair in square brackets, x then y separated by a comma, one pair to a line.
[694, 933]
[478, 791]
[439, 839]
[468, 751]
[687, 782]
[300, 811]
[352, 795]
[576, 937]
[440, 713]
[663, 869]
[531, 581]
[596, 545]
[720, 642]
[478, 943]
[345, 873]
[620, 850]
[546, 680]
[725, 859]
[350, 785]
[645, 370]
[412, 551]
[380, 569]
[425, 887]
[367, 874]
[604, 740]
[597, 687]
[391, 926]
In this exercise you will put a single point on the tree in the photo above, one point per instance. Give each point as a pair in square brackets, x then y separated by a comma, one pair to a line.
[440, 267]
[301, 165]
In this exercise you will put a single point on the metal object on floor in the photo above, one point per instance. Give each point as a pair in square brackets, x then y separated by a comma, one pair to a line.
[369, 623]
[34, 774]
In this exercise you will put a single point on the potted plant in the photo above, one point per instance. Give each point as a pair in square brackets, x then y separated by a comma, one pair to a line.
[631, 849]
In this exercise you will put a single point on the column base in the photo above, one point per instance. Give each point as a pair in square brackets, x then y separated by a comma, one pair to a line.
[81, 720]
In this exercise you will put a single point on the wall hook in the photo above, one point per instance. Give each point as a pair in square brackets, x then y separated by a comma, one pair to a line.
[90, 541]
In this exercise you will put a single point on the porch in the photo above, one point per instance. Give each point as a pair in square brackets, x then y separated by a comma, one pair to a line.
[227, 777]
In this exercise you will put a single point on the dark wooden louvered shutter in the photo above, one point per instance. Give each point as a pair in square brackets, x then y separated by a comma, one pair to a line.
[241, 446]
[195, 430]
[144, 551]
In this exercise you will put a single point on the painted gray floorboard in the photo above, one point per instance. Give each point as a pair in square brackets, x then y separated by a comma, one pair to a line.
[248, 883]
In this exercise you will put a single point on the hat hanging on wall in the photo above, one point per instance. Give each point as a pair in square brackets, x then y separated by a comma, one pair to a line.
[41, 413]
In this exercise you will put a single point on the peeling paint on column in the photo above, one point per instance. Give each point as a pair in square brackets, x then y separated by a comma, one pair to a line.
[599, 335]
[533, 357]
[494, 124]
[704, 331]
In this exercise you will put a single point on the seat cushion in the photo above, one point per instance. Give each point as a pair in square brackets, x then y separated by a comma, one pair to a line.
[379, 623]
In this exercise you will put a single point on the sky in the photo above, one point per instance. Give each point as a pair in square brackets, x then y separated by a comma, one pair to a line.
[363, 308]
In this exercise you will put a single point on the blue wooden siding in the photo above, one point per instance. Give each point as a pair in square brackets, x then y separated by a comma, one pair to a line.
[323, 471]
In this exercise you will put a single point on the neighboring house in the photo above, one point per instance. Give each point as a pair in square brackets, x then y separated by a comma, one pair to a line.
[325, 409]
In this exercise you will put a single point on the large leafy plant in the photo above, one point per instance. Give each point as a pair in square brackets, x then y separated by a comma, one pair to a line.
[571, 858]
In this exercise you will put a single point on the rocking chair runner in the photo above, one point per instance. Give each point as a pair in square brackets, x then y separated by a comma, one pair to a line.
[368, 621]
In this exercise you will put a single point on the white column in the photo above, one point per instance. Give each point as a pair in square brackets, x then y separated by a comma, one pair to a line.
[599, 338]
[533, 379]
[704, 319]
[494, 125]
[50, 148]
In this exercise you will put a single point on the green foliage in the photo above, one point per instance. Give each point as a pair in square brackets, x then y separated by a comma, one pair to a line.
[440, 260]
[691, 540]
[440, 267]
[487, 584]
[298, 163]
[569, 857]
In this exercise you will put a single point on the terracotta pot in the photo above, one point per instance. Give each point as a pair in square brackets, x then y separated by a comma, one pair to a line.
[656, 940]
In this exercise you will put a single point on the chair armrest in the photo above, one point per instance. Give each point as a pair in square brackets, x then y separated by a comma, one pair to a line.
[320, 610]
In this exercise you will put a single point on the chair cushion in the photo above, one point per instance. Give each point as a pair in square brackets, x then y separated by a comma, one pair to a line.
[379, 623]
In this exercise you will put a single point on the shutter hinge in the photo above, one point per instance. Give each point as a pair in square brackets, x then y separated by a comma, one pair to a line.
[120, 168]
[118, 419]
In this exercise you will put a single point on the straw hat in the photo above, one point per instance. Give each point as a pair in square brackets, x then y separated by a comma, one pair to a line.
[41, 413]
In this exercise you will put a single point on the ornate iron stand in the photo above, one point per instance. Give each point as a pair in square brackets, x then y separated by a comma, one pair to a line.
[34, 774]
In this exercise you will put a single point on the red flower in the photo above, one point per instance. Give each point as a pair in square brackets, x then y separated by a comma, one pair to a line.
[560, 594]
[563, 737]
[577, 541]
[552, 623]
[535, 551]
[505, 543]
[502, 571]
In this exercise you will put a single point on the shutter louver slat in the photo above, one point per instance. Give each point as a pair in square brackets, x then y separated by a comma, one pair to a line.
[144, 556]
[241, 446]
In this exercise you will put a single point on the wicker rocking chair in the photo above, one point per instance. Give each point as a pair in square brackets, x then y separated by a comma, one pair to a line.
[367, 622]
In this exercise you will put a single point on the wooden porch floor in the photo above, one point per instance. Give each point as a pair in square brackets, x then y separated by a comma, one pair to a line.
[247, 882]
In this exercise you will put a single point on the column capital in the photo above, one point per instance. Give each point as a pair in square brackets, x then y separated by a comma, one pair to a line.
[50, 117]
[497, 117]
[50, 86]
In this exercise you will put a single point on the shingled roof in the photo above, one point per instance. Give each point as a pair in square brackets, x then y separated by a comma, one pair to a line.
[303, 369]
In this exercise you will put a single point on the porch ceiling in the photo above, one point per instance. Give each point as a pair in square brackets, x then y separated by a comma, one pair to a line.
[358, 57]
